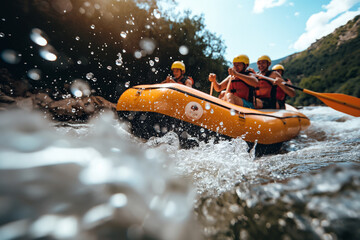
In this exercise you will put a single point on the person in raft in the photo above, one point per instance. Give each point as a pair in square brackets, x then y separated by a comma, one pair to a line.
[178, 69]
[282, 91]
[242, 85]
[267, 90]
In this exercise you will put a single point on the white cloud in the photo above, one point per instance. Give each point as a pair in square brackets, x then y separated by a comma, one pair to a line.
[296, 14]
[260, 5]
[323, 23]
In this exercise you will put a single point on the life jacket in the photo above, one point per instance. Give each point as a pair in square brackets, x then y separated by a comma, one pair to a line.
[281, 96]
[266, 91]
[183, 80]
[266, 88]
[241, 89]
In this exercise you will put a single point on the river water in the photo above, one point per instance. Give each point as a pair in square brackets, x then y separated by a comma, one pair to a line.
[97, 181]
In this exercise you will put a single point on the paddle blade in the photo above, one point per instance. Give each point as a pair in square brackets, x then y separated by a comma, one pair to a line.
[341, 102]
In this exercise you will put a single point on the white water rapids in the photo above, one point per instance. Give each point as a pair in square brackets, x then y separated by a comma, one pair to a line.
[96, 181]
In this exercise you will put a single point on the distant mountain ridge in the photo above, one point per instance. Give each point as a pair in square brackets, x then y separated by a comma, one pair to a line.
[331, 64]
[273, 63]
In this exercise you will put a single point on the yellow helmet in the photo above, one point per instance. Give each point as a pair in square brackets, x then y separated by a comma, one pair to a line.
[264, 57]
[242, 58]
[179, 65]
[278, 67]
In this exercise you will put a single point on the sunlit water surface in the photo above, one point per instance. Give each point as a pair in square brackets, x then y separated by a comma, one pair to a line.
[97, 181]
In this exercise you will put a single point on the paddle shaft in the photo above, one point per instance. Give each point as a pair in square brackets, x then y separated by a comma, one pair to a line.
[316, 94]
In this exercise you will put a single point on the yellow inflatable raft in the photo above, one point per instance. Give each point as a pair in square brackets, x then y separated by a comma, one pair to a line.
[154, 110]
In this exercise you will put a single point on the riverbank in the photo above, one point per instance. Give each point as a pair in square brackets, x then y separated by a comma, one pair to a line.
[18, 94]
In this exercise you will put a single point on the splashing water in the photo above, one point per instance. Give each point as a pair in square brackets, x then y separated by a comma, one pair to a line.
[70, 184]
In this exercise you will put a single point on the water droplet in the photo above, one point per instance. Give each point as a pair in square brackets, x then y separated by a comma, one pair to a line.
[123, 34]
[80, 88]
[184, 50]
[118, 200]
[258, 132]
[79, 62]
[202, 130]
[207, 106]
[147, 26]
[148, 45]
[221, 123]
[157, 59]
[10, 56]
[48, 53]
[2, 34]
[151, 62]
[89, 75]
[157, 13]
[232, 112]
[94, 79]
[169, 36]
[34, 74]
[127, 84]
[77, 38]
[137, 54]
[212, 111]
[38, 37]
[92, 26]
[118, 62]
[109, 68]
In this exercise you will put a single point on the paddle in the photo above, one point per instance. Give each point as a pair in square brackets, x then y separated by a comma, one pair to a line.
[340, 102]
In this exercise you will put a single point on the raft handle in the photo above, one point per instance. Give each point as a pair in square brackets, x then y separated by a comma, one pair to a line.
[139, 91]
[243, 115]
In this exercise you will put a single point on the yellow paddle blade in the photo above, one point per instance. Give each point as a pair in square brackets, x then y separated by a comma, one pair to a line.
[340, 102]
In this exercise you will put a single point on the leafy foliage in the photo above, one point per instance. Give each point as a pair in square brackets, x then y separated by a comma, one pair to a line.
[89, 36]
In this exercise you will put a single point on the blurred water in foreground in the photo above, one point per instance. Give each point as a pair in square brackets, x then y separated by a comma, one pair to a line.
[96, 181]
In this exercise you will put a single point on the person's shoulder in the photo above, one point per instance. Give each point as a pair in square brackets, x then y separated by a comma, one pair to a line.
[274, 74]
[190, 78]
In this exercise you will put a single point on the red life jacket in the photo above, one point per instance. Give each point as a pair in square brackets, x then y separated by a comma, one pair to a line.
[280, 94]
[266, 89]
[183, 79]
[241, 89]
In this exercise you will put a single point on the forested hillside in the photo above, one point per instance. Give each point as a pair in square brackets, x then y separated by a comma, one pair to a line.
[331, 64]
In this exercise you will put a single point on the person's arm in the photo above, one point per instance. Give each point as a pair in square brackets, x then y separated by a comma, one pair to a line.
[249, 79]
[218, 86]
[189, 82]
[281, 83]
[168, 80]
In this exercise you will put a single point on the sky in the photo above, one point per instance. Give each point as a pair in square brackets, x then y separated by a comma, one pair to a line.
[276, 28]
